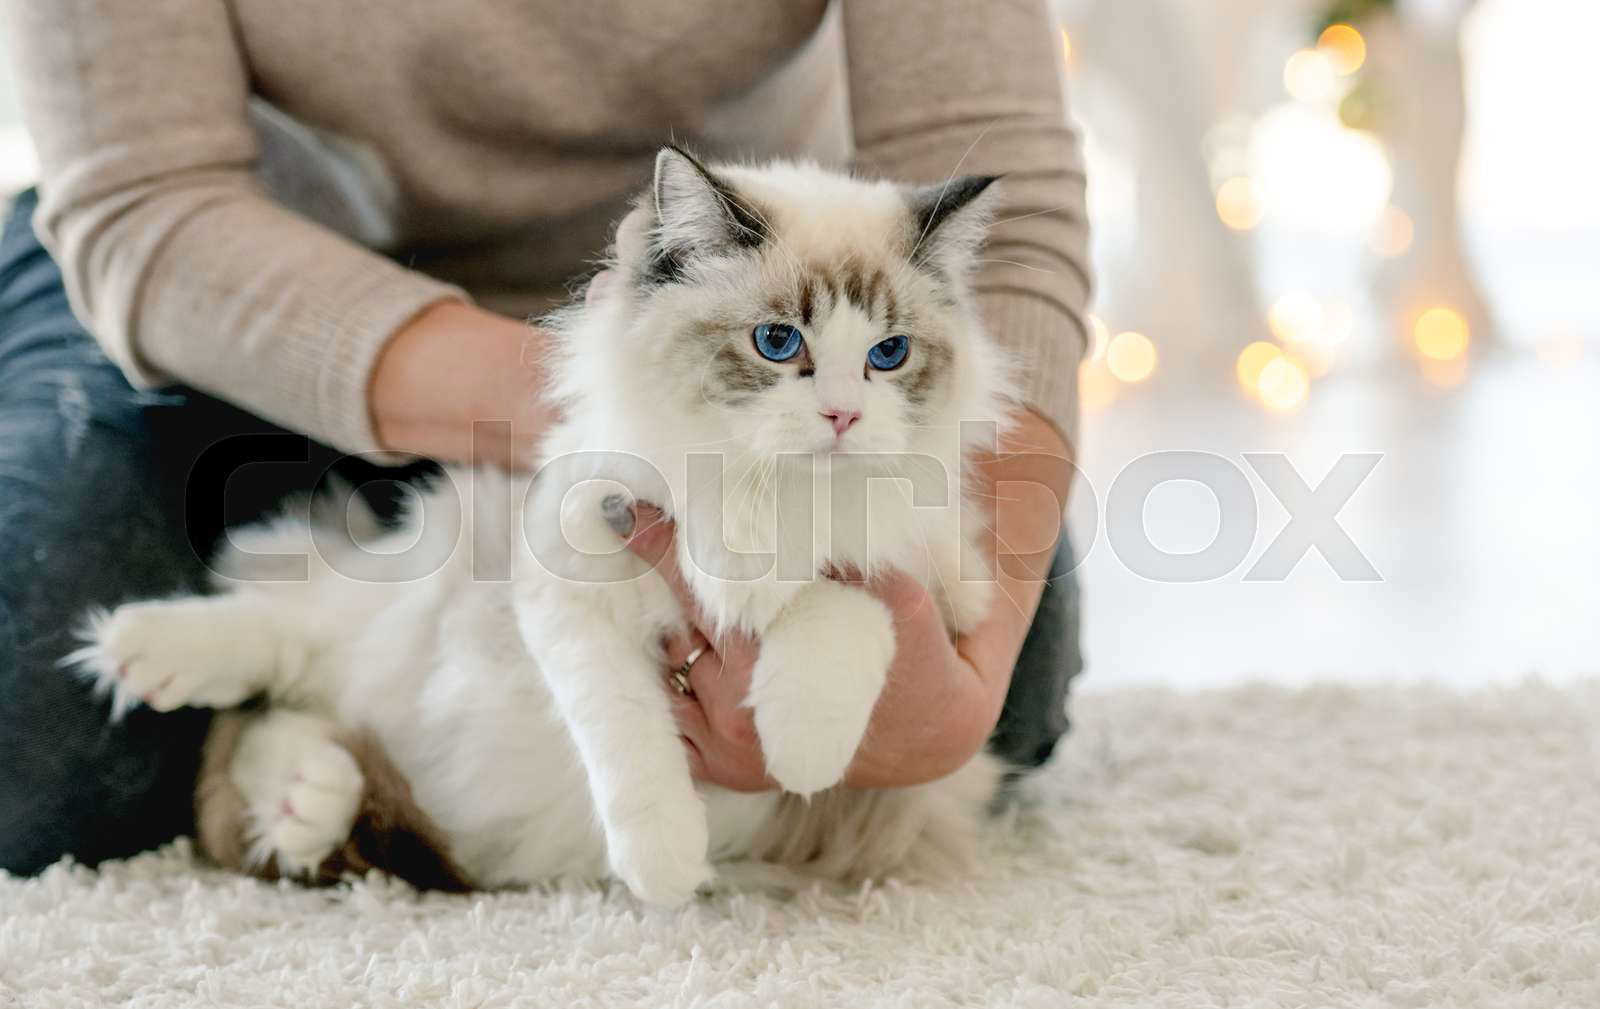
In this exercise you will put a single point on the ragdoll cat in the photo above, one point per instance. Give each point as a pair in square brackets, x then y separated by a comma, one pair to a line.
[789, 367]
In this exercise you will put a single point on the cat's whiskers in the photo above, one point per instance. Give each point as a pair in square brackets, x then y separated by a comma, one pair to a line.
[903, 488]
[995, 574]
[1036, 213]
[949, 180]
[1025, 266]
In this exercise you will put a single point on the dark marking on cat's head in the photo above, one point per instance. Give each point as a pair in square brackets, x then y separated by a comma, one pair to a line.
[891, 308]
[862, 286]
[853, 284]
[928, 369]
[660, 267]
[738, 372]
[808, 300]
[697, 212]
[945, 221]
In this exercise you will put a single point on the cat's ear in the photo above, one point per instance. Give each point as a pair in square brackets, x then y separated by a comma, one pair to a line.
[699, 213]
[950, 221]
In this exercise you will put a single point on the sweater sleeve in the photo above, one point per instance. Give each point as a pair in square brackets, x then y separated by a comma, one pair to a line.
[173, 255]
[955, 86]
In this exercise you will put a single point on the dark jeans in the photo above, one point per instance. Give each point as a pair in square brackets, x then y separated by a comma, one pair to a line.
[109, 495]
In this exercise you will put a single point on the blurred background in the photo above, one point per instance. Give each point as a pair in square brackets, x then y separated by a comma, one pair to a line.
[1347, 226]
[1326, 227]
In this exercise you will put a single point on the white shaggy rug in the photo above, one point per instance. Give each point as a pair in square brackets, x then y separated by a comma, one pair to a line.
[1255, 848]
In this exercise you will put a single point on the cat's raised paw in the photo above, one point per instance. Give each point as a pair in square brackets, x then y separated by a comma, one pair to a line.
[166, 655]
[821, 670]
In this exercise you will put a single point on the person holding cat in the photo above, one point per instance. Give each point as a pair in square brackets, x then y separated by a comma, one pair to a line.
[186, 219]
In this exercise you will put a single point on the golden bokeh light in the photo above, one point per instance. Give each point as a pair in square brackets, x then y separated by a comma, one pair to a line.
[1309, 76]
[1394, 234]
[1441, 334]
[1131, 357]
[1239, 203]
[1345, 48]
[1295, 317]
[1321, 349]
[1253, 360]
[1096, 387]
[1066, 47]
[1099, 336]
[1283, 383]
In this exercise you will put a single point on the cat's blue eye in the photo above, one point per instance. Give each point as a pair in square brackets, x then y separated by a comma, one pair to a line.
[890, 354]
[776, 341]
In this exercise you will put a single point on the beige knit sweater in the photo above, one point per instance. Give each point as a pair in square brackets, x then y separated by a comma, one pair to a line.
[511, 133]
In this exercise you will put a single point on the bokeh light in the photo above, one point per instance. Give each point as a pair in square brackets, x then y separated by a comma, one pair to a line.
[1296, 317]
[1441, 334]
[1131, 357]
[1239, 203]
[1099, 336]
[1097, 389]
[1066, 47]
[1309, 76]
[1253, 360]
[1319, 349]
[1344, 47]
[1316, 176]
[1283, 384]
[1394, 234]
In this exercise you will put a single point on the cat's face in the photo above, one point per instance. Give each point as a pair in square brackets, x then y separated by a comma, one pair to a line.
[794, 310]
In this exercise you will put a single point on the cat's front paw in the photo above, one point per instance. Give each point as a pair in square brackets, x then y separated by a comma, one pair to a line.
[822, 667]
[164, 654]
[661, 855]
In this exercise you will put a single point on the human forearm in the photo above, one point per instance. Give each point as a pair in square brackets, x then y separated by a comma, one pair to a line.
[1028, 481]
[460, 384]
[942, 704]
[175, 257]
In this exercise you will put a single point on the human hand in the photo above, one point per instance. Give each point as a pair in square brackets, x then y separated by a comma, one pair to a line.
[933, 715]
[460, 384]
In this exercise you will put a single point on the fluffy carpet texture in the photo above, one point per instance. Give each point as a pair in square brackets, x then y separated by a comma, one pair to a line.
[1254, 848]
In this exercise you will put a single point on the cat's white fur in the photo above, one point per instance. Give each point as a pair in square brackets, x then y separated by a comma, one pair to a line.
[506, 650]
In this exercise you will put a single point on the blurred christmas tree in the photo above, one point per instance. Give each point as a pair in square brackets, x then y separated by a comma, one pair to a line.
[1344, 12]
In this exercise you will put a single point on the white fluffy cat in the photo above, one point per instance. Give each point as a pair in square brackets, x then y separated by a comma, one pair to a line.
[790, 367]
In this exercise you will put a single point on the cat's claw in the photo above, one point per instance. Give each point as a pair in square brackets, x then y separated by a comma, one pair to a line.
[163, 654]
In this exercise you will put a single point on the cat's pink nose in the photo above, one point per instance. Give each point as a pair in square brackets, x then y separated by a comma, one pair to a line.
[841, 419]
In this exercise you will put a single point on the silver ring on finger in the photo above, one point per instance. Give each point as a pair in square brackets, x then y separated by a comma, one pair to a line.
[680, 676]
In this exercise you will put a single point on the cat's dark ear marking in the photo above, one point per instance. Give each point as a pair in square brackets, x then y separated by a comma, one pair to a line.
[697, 212]
[949, 220]
[933, 205]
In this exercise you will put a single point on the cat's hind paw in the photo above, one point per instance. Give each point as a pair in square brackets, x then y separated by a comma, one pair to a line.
[303, 790]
